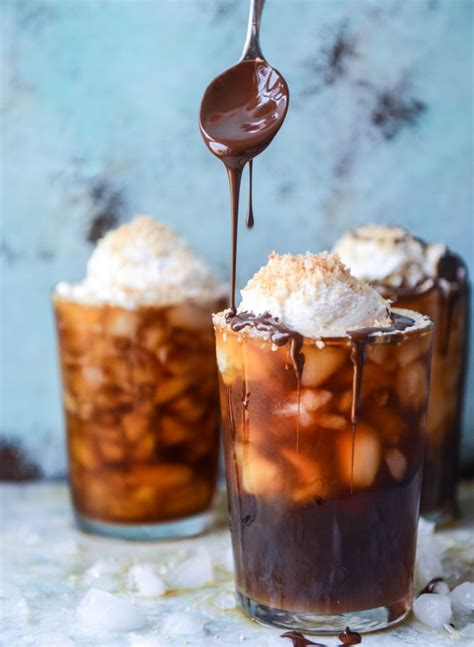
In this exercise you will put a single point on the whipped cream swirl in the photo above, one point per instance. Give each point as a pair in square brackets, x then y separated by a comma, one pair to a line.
[142, 263]
[315, 295]
[388, 255]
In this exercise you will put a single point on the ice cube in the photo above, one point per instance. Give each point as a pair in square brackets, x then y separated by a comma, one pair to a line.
[440, 587]
[109, 566]
[319, 365]
[314, 399]
[432, 609]
[143, 581]
[428, 559]
[194, 572]
[412, 385]
[104, 575]
[360, 456]
[225, 600]
[462, 597]
[260, 475]
[396, 463]
[102, 611]
[183, 624]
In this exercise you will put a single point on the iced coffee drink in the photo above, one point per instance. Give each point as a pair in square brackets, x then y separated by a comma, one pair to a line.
[139, 385]
[433, 281]
[323, 397]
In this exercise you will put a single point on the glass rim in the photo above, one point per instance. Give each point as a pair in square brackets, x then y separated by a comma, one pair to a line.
[423, 325]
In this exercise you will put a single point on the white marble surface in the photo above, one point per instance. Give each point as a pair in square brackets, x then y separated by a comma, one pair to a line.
[45, 560]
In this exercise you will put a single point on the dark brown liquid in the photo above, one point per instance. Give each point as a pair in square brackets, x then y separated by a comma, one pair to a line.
[281, 334]
[241, 112]
[343, 545]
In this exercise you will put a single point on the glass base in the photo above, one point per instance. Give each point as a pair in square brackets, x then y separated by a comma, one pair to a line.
[189, 527]
[315, 623]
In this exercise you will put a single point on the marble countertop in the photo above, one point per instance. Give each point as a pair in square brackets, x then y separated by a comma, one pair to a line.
[48, 567]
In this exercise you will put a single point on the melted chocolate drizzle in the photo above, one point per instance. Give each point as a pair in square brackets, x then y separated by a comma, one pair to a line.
[451, 283]
[359, 340]
[279, 334]
[241, 112]
[249, 221]
[299, 640]
[430, 587]
[347, 638]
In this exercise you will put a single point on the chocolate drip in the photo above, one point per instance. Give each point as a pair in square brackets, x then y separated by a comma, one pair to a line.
[430, 587]
[347, 638]
[235, 176]
[250, 219]
[279, 334]
[299, 640]
[241, 112]
[451, 283]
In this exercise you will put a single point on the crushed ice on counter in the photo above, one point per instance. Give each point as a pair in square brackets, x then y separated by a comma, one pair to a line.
[144, 582]
[146, 641]
[104, 575]
[65, 549]
[14, 606]
[194, 572]
[433, 609]
[108, 566]
[468, 631]
[103, 611]
[224, 600]
[440, 587]
[428, 554]
[462, 597]
[228, 561]
[187, 623]
[54, 639]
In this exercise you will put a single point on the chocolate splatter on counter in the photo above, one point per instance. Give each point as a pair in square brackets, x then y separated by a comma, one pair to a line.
[347, 638]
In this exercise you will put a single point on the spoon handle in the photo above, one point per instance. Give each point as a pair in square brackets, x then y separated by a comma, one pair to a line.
[252, 43]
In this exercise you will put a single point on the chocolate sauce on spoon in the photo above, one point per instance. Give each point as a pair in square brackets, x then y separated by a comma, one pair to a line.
[241, 112]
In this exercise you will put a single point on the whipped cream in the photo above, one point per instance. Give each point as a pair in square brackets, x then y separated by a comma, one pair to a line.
[315, 295]
[142, 263]
[389, 255]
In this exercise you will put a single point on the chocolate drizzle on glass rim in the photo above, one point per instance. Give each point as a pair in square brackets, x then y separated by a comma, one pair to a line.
[280, 335]
[450, 281]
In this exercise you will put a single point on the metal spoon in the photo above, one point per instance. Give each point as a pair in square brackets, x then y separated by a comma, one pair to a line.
[244, 107]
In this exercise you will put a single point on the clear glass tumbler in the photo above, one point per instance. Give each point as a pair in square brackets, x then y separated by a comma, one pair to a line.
[324, 510]
[446, 301]
[141, 411]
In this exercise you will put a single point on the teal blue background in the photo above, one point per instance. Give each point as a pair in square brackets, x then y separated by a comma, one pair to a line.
[99, 122]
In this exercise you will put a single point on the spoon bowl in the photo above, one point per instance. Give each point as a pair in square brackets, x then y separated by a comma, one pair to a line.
[243, 109]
